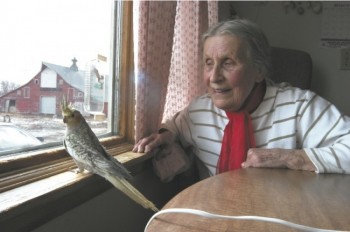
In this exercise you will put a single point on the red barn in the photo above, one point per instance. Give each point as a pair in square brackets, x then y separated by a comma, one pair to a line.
[43, 93]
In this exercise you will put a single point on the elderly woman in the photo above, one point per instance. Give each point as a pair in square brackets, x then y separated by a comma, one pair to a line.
[245, 120]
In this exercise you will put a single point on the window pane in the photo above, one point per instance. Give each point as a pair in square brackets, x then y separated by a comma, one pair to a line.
[52, 49]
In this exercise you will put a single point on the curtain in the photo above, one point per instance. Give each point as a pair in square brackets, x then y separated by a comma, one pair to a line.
[167, 58]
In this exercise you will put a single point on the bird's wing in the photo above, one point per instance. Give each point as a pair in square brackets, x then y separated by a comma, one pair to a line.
[88, 150]
[101, 149]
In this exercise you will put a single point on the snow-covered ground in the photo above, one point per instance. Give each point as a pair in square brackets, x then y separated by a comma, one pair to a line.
[51, 129]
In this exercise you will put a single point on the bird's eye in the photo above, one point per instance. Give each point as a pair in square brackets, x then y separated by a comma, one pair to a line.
[72, 115]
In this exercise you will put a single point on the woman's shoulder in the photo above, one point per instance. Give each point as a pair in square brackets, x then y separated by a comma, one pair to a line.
[286, 91]
[203, 103]
[283, 94]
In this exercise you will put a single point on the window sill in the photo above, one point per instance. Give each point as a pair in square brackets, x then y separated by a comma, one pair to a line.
[32, 204]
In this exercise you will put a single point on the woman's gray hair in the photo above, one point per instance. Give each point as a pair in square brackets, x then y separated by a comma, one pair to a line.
[257, 43]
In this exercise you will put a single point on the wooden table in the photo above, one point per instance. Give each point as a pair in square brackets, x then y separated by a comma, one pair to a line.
[315, 200]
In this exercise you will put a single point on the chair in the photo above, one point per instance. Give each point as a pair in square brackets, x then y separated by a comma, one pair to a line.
[292, 66]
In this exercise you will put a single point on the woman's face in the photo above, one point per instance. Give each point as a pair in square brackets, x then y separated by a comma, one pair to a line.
[228, 72]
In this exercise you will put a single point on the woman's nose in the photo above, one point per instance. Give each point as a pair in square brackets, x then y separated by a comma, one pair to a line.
[216, 74]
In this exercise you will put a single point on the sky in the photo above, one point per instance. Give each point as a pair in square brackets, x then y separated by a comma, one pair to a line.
[53, 31]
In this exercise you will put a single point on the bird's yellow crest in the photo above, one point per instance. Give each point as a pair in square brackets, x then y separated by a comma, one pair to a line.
[66, 109]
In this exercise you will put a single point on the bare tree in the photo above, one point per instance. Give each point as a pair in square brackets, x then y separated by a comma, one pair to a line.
[7, 86]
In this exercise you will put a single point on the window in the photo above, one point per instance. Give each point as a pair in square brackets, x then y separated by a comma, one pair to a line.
[90, 36]
[26, 92]
[50, 44]
[48, 78]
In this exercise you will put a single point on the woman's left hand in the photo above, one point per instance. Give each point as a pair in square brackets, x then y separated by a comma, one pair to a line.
[278, 158]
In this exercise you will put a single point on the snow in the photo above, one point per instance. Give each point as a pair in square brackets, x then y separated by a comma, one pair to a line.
[50, 128]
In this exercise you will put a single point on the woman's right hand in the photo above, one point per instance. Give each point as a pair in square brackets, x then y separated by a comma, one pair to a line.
[153, 141]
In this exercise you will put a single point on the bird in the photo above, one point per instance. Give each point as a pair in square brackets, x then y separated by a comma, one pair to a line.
[89, 154]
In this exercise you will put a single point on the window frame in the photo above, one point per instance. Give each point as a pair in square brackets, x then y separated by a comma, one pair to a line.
[26, 169]
[26, 92]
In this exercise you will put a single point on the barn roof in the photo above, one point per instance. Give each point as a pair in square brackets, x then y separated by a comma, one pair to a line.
[73, 77]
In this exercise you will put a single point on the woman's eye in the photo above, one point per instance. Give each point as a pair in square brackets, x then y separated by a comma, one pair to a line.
[209, 63]
[228, 63]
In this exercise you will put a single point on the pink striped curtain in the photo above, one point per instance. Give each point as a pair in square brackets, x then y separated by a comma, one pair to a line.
[167, 58]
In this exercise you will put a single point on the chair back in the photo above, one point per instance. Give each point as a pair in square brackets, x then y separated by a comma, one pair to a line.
[292, 66]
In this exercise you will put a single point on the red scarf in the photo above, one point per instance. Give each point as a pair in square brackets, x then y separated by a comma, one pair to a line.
[238, 138]
[238, 133]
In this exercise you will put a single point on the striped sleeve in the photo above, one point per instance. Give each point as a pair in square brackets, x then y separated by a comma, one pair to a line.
[325, 136]
[291, 118]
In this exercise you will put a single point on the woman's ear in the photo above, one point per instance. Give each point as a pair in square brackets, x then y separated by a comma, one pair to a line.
[259, 73]
[259, 77]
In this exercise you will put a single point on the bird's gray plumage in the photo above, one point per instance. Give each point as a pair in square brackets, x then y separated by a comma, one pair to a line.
[88, 148]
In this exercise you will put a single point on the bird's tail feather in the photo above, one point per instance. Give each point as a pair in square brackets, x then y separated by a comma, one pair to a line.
[124, 186]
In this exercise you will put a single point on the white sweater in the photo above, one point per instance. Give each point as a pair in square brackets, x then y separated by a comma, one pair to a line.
[288, 118]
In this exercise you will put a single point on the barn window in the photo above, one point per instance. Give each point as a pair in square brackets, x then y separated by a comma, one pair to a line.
[62, 43]
[26, 92]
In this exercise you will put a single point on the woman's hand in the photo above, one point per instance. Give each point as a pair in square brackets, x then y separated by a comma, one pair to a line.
[278, 158]
[153, 141]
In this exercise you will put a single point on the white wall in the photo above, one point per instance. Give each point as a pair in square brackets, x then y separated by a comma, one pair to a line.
[302, 32]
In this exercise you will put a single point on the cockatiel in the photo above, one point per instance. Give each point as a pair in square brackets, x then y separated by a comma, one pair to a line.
[82, 144]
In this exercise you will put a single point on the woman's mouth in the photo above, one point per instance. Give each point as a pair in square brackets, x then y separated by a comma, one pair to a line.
[221, 90]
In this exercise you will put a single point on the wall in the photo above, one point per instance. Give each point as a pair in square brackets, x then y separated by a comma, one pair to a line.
[302, 32]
